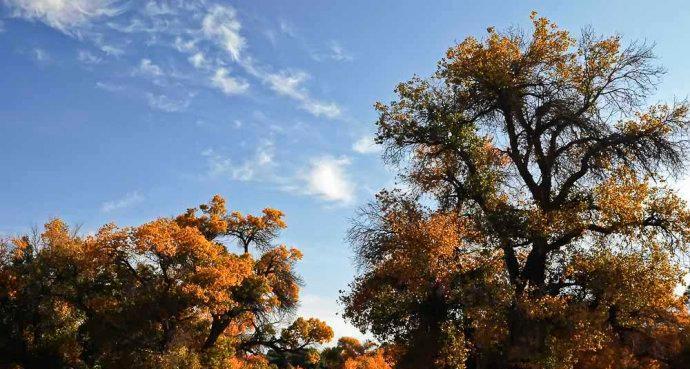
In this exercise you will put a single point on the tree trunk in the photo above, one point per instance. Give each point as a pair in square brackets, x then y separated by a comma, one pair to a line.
[218, 326]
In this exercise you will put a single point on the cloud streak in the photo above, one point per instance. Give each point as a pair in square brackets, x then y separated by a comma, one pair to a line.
[126, 201]
[227, 84]
[366, 145]
[253, 168]
[166, 103]
[334, 51]
[87, 57]
[66, 16]
[221, 24]
[325, 177]
[207, 34]
[290, 83]
[222, 28]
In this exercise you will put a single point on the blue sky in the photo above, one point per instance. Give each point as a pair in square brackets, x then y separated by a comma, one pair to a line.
[128, 110]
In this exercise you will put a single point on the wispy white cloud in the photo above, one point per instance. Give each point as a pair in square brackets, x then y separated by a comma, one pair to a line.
[249, 169]
[320, 108]
[366, 145]
[198, 60]
[110, 87]
[183, 45]
[128, 200]
[40, 55]
[158, 8]
[338, 52]
[290, 83]
[222, 25]
[88, 57]
[111, 50]
[66, 16]
[166, 103]
[209, 35]
[147, 68]
[271, 36]
[324, 177]
[327, 179]
[228, 84]
[334, 51]
[287, 28]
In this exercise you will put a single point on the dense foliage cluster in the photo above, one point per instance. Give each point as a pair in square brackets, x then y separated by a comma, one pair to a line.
[538, 230]
[167, 294]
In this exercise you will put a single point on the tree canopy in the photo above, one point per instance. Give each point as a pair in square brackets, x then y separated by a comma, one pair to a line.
[538, 229]
[171, 293]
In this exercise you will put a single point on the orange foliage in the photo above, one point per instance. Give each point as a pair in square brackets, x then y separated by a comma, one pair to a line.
[538, 231]
[164, 294]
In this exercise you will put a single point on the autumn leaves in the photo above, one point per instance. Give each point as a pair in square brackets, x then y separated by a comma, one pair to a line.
[165, 292]
[538, 231]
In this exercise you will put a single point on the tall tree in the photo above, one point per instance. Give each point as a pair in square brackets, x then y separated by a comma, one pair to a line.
[539, 231]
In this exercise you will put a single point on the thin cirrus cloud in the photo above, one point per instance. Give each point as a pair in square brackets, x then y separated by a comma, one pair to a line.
[148, 68]
[222, 27]
[207, 34]
[256, 167]
[290, 83]
[221, 24]
[198, 60]
[334, 51]
[205, 37]
[66, 16]
[110, 87]
[87, 57]
[366, 145]
[166, 103]
[228, 84]
[128, 200]
[338, 52]
[40, 55]
[325, 177]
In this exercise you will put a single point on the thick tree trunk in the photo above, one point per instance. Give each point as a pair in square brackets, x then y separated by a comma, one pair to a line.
[535, 266]
[526, 340]
[527, 336]
[424, 346]
[218, 326]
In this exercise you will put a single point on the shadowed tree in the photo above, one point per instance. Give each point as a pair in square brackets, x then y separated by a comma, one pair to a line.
[350, 353]
[539, 231]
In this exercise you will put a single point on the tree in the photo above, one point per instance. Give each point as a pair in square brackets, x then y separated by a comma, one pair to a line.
[294, 347]
[167, 294]
[346, 349]
[376, 360]
[539, 231]
[350, 353]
